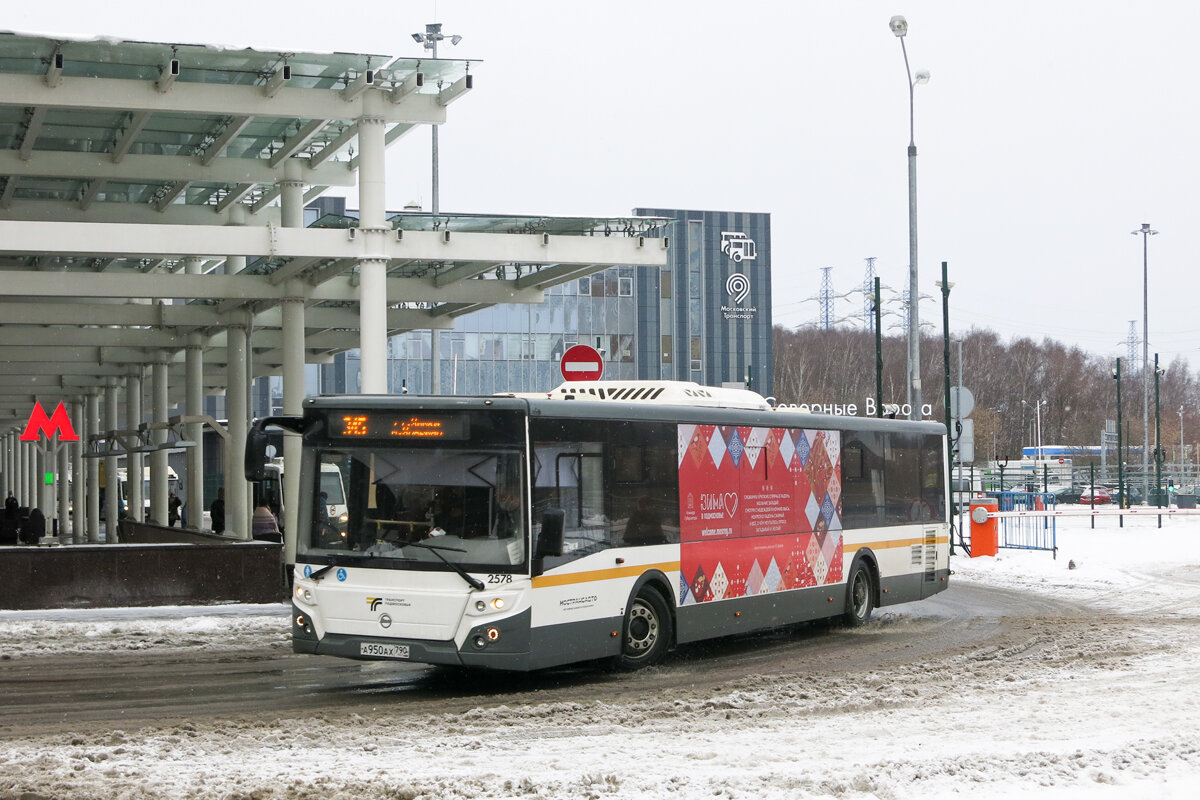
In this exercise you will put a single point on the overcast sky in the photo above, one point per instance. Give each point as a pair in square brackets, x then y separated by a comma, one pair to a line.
[1048, 132]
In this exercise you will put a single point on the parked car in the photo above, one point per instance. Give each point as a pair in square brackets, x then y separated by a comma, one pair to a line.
[1070, 494]
[1095, 494]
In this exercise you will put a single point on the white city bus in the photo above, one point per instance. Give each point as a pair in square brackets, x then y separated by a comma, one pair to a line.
[605, 520]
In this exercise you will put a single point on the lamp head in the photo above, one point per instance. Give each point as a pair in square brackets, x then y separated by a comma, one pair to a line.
[899, 25]
[418, 38]
[922, 76]
[455, 39]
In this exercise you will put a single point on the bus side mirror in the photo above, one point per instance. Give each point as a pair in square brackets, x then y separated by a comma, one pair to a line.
[256, 453]
[550, 540]
[255, 461]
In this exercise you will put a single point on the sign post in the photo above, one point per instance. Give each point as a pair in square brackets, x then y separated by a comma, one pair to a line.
[582, 362]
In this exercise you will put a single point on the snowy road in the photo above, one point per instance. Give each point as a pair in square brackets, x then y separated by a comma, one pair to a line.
[1025, 679]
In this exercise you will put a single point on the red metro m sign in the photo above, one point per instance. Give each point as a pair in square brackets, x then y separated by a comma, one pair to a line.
[40, 424]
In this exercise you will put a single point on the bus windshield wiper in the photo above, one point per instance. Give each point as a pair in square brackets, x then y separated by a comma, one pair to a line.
[475, 583]
[320, 573]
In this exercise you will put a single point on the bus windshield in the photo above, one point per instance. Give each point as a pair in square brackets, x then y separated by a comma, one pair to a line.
[418, 507]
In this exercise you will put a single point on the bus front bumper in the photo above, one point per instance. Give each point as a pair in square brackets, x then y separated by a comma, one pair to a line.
[497, 644]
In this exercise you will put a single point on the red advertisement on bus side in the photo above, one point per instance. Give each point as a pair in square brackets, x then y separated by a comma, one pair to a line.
[760, 510]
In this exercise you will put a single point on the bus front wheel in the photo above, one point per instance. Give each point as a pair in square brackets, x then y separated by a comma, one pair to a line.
[647, 631]
[860, 597]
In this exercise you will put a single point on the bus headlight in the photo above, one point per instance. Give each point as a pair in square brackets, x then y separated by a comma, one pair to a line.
[304, 595]
[498, 603]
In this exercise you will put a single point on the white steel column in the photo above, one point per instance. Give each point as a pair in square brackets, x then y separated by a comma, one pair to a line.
[237, 501]
[61, 486]
[158, 458]
[112, 496]
[6, 461]
[19, 471]
[93, 471]
[79, 474]
[134, 462]
[195, 430]
[372, 268]
[292, 212]
[29, 491]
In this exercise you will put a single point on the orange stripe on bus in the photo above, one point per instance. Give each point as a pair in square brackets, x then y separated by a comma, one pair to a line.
[890, 543]
[602, 574]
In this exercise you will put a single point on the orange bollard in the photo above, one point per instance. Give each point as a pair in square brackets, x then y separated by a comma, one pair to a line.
[985, 529]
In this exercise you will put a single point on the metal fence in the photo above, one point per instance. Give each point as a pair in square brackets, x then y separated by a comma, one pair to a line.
[1027, 533]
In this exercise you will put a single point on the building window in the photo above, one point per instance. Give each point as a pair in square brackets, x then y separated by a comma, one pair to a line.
[458, 347]
[412, 348]
[695, 365]
[666, 349]
[625, 287]
[664, 285]
[585, 286]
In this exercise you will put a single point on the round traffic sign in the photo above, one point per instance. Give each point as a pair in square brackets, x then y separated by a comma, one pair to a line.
[582, 362]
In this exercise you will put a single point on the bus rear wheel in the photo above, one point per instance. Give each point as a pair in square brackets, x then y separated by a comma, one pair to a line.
[860, 597]
[647, 631]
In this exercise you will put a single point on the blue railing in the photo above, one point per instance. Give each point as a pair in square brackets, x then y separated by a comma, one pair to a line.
[1027, 533]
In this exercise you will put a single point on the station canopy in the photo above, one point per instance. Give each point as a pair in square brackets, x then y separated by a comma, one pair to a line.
[143, 189]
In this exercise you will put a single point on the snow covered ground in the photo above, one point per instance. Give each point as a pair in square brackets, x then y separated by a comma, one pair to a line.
[1095, 704]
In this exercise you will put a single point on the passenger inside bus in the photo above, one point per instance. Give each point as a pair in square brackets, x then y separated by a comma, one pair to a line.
[645, 524]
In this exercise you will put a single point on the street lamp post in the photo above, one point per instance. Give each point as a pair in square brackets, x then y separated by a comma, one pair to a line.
[899, 27]
[1037, 408]
[429, 40]
[1182, 447]
[1146, 233]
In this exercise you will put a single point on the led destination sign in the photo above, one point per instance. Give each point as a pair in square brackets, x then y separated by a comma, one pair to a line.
[402, 426]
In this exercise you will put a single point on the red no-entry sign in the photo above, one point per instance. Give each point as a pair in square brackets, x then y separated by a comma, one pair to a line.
[581, 363]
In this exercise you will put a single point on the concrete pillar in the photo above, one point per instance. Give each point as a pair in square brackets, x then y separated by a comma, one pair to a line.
[237, 490]
[6, 462]
[372, 287]
[112, 501]
[159, 486]
[195, 430]
[135, 462]
[79, 474]
[93, 471]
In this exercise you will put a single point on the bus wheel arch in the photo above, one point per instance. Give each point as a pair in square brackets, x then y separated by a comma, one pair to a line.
[648, 629]
[862, 590]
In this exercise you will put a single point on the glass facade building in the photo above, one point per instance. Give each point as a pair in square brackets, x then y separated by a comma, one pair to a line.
[706, 317]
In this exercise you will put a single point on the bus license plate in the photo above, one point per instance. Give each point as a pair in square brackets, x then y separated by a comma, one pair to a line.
[383, 650]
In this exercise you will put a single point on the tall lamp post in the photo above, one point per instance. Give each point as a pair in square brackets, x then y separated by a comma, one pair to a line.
[1146, 233]
[429, 40]
[899, 26]
[1037, 408]
[1182, 447]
